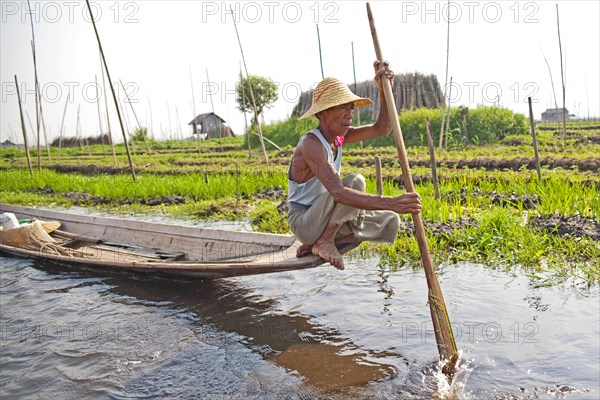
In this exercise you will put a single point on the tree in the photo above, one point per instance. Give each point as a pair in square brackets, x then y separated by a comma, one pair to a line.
[263, 89]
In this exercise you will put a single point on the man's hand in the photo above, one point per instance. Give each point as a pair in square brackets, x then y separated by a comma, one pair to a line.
[381, 69]
[407, 203]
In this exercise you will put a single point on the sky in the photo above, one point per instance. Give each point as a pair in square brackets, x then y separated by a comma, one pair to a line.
[169, 60]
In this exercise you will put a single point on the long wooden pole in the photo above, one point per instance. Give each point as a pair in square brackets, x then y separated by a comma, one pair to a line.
[212, 106]
[112, 89]
[137, 121]
[434, 177]
[37, 90]
[535, 148]
[258, 127]
[562, 76]
[320, 55]
[112, 144]
[355, 91]
[439, 314]
[195, 127]
[62, 125]
[23, 128]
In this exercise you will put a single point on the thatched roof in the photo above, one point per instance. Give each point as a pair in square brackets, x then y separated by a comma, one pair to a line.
[200, 118]
[410, 90]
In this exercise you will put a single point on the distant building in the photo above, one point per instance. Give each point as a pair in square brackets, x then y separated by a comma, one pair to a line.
[7, 143]
[555, 114]
[211, 126]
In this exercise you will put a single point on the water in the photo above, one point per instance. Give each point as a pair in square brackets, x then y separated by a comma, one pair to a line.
[320, 333]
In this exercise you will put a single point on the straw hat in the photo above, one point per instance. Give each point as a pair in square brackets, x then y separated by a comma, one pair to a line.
[331, 92]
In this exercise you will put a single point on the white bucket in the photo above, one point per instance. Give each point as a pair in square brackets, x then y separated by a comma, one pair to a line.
[8, 221]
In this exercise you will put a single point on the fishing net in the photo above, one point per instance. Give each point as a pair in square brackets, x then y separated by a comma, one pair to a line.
[33, 236]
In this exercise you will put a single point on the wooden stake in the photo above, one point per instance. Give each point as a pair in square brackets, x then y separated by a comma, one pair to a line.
[448, 116]
[378, 177]
[195, 127]
[62, 125]
[137, 120]
[439, 314]
[434, 176]
[37, 90]
[535, 148]
[354, 73]
[23, 128]
[87, 2]
[256, 120]
[112, 144]
[446, 78]
[320, 55]
[245, 118]
[212, 106]
[99, 114]
[562, 77]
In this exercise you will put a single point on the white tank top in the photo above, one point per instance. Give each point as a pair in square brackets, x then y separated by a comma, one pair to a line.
[307, 192]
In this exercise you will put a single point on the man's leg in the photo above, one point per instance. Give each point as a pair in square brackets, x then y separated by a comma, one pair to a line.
[326, 245]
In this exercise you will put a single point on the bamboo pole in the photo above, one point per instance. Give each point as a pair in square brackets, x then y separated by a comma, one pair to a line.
[23, 128]
[553, 90]
[99, 114]
[446, 78]
[212, 106]
[320, 55]
[258, 127]
[354, 73]
[112, 144]
[439, 314]
[87, 2]
[45, 134]
[562, 77]
[195, 128]
[136, 119]
[448, 116]
[535, 148]
[62, 125]
[378, 177]
[180, 131]
[37, 107]
[245, 118]
[434, 177]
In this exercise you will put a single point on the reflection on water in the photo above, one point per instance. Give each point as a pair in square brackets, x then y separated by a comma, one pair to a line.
[321, 333]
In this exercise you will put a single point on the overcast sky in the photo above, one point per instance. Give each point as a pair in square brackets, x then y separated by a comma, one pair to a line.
[158, 48]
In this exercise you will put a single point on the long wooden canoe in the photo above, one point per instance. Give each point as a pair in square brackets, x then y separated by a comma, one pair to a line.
[151, 247]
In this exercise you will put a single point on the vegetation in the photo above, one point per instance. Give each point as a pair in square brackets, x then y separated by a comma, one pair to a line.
[493, 209]
[255, 91]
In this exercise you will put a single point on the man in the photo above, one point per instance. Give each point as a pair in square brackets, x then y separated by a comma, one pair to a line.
[324, 210]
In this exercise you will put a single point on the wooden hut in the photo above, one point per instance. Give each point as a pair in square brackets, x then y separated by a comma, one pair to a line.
[210, 126]
[411, 90]
[555, 114]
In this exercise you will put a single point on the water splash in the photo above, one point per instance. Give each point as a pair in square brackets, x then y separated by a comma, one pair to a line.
[450, 390]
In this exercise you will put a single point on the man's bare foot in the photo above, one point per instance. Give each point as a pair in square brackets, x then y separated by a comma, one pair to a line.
[328, 252]
[303, 250]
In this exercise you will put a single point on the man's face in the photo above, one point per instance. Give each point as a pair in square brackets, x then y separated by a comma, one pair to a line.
[339, 118]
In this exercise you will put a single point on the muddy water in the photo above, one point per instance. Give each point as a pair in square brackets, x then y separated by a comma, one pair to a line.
[361, 333]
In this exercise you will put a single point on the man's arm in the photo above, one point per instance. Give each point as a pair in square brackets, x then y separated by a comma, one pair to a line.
[316, 158]
[383, 125]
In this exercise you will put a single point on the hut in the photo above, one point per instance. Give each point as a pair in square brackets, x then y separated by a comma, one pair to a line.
[555, 114]
[210, 126]
[411, 90]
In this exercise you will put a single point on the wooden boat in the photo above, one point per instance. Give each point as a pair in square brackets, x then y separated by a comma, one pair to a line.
[149, 247]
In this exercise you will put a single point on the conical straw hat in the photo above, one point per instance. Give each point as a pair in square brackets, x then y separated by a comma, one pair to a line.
[331, 92]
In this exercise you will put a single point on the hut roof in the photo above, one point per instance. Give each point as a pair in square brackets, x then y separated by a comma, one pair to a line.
[201, 117]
